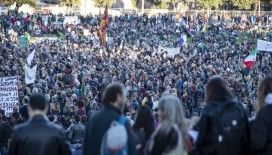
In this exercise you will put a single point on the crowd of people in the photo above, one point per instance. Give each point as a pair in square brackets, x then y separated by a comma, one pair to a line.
[74, 71]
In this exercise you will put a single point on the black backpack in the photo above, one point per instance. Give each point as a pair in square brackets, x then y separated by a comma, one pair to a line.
[229, 129]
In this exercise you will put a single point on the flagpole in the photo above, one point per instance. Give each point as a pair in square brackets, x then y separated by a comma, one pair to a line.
[106, 46]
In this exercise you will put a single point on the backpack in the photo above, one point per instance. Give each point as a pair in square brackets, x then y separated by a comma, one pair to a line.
[115, 140]
[229, 129]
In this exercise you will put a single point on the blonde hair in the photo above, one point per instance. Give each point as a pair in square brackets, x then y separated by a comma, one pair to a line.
[173, 115]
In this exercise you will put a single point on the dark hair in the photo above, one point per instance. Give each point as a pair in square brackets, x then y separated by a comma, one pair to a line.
[217, 90]
[76, 117]
[51, 118]
[111, 92]
[84, 119]
[264, 88]
[37, 101]
[2, 112]
[16, 115]
[145, 120]
[80, 103]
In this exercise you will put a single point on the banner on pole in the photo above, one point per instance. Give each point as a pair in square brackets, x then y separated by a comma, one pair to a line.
[30, 74]
[8, 94]
[30, 57]
[264, 45]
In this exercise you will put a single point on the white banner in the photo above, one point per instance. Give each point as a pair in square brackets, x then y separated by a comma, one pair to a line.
[8, 94]
[30, 57]
[30, 74]
[171, 52]
[264, 45]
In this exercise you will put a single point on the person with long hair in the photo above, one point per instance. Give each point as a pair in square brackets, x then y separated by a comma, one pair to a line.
[145, 120]
[223, 127]
[261, 137]
[170, 138]
[144, 126]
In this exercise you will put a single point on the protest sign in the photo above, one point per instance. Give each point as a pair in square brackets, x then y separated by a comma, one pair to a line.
[74, 20]
[8, 94]
[264, 45]
[171, 52]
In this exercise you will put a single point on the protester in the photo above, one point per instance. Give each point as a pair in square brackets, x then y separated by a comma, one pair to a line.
[76, 132]
[171, 136]
[38, 136]
[261, 142]
[151, 56]
[113, 99]
[144, 126]
[223, 127]
[5, 134]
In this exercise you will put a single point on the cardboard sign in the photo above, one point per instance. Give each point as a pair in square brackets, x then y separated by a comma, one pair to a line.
[8, 94]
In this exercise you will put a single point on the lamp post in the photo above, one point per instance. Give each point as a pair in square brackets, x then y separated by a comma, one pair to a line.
[143, 6]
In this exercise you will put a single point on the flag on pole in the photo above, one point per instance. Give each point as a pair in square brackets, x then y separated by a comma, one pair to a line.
[182, 40]
[30, 57]
[103, 26]
[250, 59]
[30, 74]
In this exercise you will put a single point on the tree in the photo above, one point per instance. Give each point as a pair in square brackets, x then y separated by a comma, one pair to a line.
[165, 4]
[267, 5]
[21, 2]
[243, 4]
[70, 2]
[102, 3]
[209, 4]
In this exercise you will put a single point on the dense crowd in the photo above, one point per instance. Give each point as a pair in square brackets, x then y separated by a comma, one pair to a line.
[74, 71]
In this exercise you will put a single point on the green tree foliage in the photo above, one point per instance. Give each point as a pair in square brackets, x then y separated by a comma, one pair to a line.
[134, 2]
[21, 2]
[164, 4]
[209, 4]
[70, 2]
[243, 4]
[102, 3]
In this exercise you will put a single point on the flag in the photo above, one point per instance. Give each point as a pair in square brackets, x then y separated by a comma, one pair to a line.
[250, 59]
[28, 36]
[182, 40]
[30, 57]
[30, 74]
[103, 26]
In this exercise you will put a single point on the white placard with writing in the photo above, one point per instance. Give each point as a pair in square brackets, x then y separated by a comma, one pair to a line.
[8, 94]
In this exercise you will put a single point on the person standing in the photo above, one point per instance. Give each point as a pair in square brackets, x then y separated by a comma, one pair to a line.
[171, 137]
[99, 123]
[261, 137]
[223, 126]
[5, 134]
[38, 136]
[76, 131]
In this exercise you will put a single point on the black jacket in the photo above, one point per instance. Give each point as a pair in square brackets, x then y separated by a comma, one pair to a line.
[207, 139]
[76, 133]
[261, 135]
[163, 143]
[38, 137]
[98, 124]
[5, 134]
